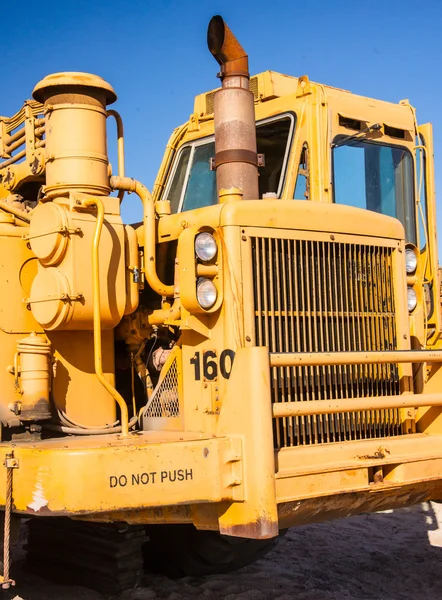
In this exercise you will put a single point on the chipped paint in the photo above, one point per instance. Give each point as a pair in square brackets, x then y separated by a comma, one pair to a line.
[38, 498]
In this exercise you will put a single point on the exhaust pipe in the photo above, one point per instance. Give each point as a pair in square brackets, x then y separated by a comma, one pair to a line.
[236, 161]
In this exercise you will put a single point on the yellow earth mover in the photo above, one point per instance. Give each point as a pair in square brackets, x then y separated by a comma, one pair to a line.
[262, 351]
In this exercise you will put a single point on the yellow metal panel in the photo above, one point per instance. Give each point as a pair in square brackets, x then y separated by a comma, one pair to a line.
[18, 267]
[310, 217]
[246, 414]
[315, 459]
[418, 471]
[94, 475]
[75, 387]
[309, 486]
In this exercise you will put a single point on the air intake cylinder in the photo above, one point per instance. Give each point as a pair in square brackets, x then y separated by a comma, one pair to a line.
[76, 149]
[235, 132]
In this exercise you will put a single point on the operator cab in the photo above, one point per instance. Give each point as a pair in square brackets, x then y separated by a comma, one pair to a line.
[319, 143]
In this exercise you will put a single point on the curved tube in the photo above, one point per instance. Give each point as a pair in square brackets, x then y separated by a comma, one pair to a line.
[81, 431]
[68, 422]
[226, 49]
[131, 185]
[97, 316]
[120, 134]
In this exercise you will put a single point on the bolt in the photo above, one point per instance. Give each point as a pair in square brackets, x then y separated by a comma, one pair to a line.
[248, 338]
[244, 238]
[332, 237]
[206, 452]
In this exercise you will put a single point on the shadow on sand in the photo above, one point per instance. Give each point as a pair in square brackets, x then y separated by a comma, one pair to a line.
[393, 556]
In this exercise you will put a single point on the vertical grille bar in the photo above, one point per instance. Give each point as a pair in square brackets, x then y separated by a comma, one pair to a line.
[318, 296]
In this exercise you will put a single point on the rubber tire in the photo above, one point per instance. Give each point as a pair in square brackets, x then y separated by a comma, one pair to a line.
[182, 550]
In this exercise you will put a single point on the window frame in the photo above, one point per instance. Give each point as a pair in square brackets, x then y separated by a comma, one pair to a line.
[388, 145]
[419, 192]
[211, 138]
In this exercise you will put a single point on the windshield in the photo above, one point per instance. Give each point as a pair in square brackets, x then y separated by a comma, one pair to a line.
[193, 184]
[376, 177]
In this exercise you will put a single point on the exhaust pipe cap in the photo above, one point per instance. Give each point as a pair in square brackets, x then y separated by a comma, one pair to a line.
[226, 49]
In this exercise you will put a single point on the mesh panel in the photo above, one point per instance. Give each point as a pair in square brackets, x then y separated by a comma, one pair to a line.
[253, 87]
[165, 400]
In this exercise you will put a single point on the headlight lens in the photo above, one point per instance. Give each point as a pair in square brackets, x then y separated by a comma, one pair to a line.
[411, 298]
[410, 260]
[205, 246]
[206, 293]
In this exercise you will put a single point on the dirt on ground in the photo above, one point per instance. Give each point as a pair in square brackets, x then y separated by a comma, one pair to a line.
[395, 555]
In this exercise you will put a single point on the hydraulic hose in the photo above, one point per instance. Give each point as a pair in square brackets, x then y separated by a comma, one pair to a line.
[81, 431]
[97, 316]
[120, 136]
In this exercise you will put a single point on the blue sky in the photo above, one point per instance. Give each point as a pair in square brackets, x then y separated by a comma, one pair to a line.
[154, 54]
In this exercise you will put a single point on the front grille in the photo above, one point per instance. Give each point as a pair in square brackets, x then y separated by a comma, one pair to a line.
[320, 296]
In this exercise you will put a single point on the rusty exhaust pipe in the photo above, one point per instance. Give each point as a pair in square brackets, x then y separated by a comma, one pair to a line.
[236, 161]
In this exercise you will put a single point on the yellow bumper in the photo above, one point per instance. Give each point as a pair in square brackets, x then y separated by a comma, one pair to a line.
[233, 481]
[76, 476]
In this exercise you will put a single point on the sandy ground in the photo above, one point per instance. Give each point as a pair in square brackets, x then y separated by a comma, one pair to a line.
[393, 556]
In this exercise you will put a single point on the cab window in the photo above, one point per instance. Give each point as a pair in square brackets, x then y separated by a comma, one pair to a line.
[376, 177]
[193, 184]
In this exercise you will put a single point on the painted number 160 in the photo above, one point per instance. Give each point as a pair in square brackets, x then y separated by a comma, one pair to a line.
[211, 365]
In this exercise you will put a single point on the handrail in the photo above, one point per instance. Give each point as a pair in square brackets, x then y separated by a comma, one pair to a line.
[97, 315]
[317, 359]
[326, 407]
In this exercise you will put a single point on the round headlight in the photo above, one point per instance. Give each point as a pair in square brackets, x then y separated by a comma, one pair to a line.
[205, 246]
[410, 260]
[411, 299]
[206, 293]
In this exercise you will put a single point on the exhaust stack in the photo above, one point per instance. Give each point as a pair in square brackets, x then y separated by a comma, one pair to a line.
[236, 161]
